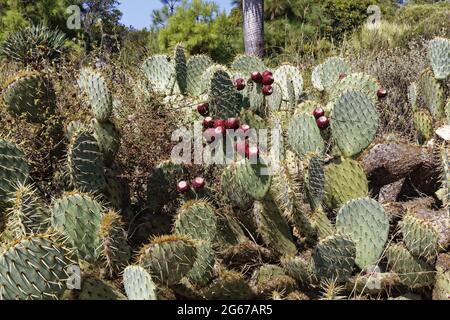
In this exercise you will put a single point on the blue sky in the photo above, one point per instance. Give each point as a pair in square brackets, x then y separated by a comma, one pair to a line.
[137, 13]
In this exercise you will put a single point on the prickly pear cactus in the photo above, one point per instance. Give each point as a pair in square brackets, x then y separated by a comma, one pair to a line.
[14, 168]
[334, 258]
[168, 258]
[85, 163]
[283, 190]
[79, 217]
[245, 65]
[420, 236]
[286, 76]
[423, 123]
[253, 179]
[233, 190]
[196, 66]
[315, 181]
[299, 268]
[34, 268]
[413, 272]
[95, 289]
[108, 139]
[345, 180]
[273, 227]
[160, 185]
[138, 284]
[30, 95]
[229, 285]
[26, 216]
[181, 68]
[356, 81]
[160, 73]
[445, 156]
[432, 94]
[354, 122]
[327, 74]
[367, 224]
[116, 250]
[98, 94]
[223, 97]
[275, 101]
[202, 271]
[412, 96]
[439, 56]
[196, 219]
[303, 136]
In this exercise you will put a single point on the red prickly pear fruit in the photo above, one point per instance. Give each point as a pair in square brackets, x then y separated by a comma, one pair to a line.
[268, 80]
[208, 122]
[318, 112]
[267, 90]
[382, 93]
[198, 183]
[219, 123]
[203, 109]
[239, 84]
[257, 77]
[183, 187]
[323, 122]
[267, 73]
[232, 124]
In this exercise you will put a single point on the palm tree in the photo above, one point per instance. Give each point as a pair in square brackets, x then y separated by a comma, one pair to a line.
[254, 27]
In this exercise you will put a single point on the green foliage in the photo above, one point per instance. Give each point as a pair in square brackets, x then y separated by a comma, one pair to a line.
[202, 28]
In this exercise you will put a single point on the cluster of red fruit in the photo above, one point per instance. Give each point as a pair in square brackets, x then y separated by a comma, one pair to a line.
[322, 121]
[218, 127]
[197, 184]
[266, 79]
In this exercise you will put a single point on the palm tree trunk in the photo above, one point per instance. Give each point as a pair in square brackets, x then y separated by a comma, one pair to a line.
[254, 27]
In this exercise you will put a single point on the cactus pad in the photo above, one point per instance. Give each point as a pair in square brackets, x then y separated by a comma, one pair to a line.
[286, 76]
[327, 74]
[97, 91]
[196, 219]
[160, 73]
[196, 66]
[138, 284]
[14, 168]
[432, 94]
[223, 97]
[303, 136]
[423, 123]
[181, 68]
[439, 56]
[245, 65]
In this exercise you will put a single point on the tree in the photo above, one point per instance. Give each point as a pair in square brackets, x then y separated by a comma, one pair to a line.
[171, 4]
[203, 29]
[254, 27]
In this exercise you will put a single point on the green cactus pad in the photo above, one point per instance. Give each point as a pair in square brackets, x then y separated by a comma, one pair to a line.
[273, 227]
[30, 95]
[232, 188]
[73, 127]
[161, 186]
[315, 181]
[423, 123]
[34, 268]
[327, 74]
[196, 66]
[344, 180]
[202, 271]
[26, 216]
[420, 236]
[252, 179]
[356, 81]
[413, 272]
[298, 268]
[283, 190]
[289, 76]
[269, 278]
[168, 258]
[274, 101]
[334, 258]
[255, 97]
[160, 73]
[85, 162]
[197, 219]
[245, 65]
[445, 156]
[439, 56]
[367, 224]
[14, 168]
[307, 107]
[79, 217]
[116, 250]
[181, 68]
[223, 97]
[432, 94]
[304, 137]
[108, 139]
[95, 289]
[138, 284]
[97, 91]
[229, 285]
[354, 122]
